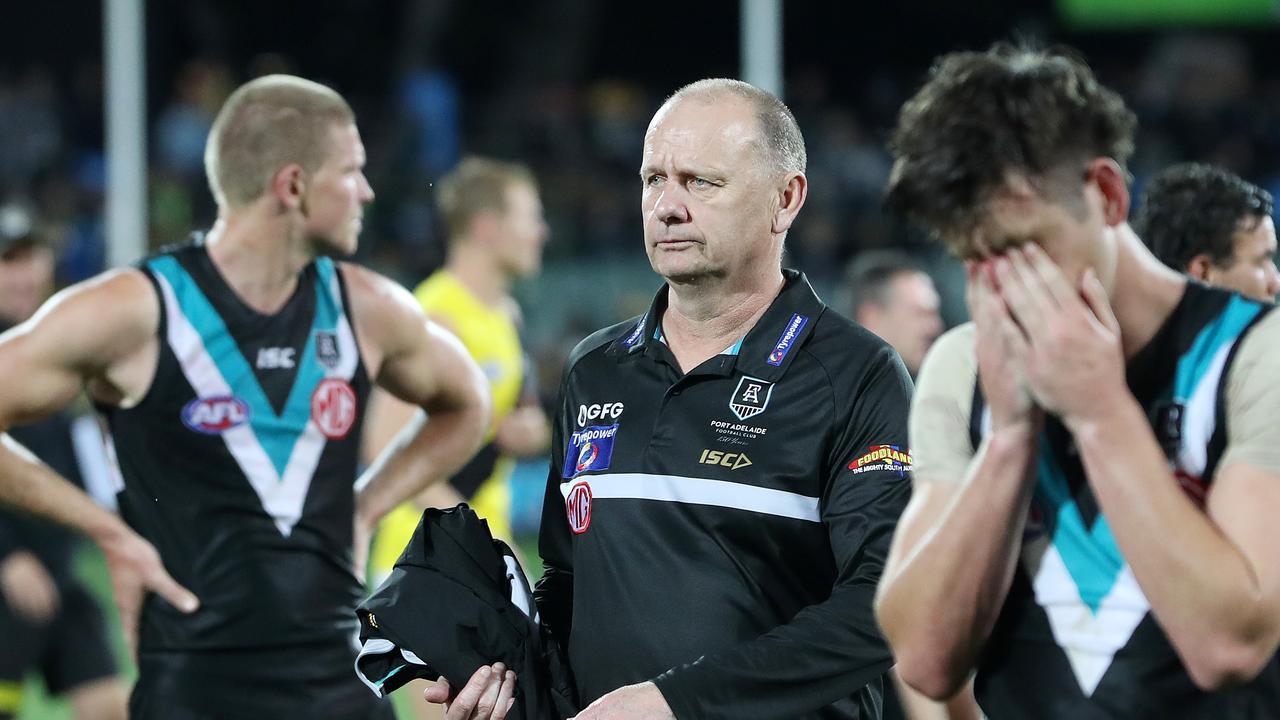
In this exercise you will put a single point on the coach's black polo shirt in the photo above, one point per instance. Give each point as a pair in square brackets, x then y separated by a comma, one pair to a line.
[721, 532]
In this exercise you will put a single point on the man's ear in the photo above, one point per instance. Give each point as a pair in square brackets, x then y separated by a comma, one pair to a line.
[1113, 184]
[486, 229]
[289, 186]
[1199, 266]
[790, 199]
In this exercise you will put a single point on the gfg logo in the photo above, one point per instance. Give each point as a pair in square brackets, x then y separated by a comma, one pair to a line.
[587, 413]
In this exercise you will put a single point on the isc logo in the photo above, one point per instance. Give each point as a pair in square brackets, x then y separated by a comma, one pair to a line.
[733, 461]
[272, 358]
[213, 415]
[587, 413]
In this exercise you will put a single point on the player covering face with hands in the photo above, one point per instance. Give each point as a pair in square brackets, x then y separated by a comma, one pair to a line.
[1095, 453]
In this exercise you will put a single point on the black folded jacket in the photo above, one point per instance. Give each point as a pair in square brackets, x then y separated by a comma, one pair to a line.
[457, 600]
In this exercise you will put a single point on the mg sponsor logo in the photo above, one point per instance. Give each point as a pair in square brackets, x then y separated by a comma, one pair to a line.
[333, 408]
[578, 508]
[214, 415]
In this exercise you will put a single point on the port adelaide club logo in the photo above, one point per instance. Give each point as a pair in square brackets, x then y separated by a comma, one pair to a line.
[751, 397]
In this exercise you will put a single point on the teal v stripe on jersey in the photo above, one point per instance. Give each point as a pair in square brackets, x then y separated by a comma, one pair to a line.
[297, 407]
[276, 433]
[1193, 366]
[1091, 555]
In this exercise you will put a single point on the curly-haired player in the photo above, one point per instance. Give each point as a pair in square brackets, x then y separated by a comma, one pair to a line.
[1097, 474]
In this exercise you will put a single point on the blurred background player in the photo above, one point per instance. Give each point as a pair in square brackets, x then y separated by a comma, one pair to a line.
[49, 622]
[496, 232]
[495, 228]
[892, 297]
[1213, 225]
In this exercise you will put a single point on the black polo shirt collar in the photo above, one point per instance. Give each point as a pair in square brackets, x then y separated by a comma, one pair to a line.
[768, 348]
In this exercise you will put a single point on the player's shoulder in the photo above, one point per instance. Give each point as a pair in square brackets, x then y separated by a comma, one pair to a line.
[951, 360]
[952, 355]
[380, 307]
[599, 342]
[96, 321]
[1265, 331]
[1260, 345]
[128, 291]
[369, 286]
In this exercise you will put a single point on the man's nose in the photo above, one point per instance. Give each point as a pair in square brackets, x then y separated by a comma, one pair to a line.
[672, 206]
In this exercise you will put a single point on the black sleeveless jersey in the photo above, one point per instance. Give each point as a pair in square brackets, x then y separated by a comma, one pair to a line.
[1076, 637]
[239, 462]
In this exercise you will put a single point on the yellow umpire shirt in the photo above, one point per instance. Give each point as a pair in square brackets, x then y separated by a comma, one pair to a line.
[491, 337]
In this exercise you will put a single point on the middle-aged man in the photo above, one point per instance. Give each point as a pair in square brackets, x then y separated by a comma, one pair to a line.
[233, 373]
[1213, 225]
[892, 297]
[727, 468]
[1097, 454]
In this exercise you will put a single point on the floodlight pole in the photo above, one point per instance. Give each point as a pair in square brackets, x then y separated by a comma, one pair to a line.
[761, 44]
[124, 47]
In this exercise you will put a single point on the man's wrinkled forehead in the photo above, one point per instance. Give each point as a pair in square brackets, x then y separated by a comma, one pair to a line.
[700, 126]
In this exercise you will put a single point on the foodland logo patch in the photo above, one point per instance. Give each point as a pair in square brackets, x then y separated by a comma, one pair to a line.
[883, 457]
[788, 339]
[751, 397]
[589, 449]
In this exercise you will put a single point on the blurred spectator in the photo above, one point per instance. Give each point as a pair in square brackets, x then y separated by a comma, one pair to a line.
[892, 297]
[184, 123]
[49, 621]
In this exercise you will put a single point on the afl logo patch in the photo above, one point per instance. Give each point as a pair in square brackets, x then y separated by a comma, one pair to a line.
[333, 408]
[578, 507]
[213, 415]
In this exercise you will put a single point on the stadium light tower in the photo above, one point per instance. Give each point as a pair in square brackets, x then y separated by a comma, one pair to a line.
[761, 44]
[124, 44]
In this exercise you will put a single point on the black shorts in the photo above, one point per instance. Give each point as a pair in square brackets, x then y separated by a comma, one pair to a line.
[310, 682]
[69, 651]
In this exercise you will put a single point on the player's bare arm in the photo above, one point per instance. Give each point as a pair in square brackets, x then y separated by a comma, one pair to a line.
[957, 544]
[1213, 576]
[418, 362]
[101, 333]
